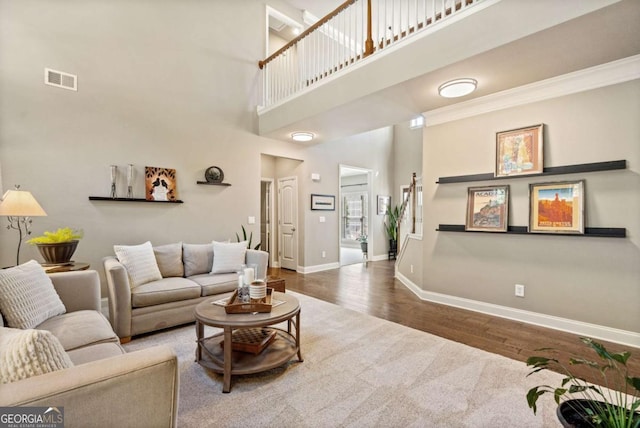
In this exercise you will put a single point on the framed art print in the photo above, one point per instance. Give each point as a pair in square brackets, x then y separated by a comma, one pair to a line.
[323, 202]
[160, 184]
[383, 204]
[487, 209]
[557, 207]
[519, 151]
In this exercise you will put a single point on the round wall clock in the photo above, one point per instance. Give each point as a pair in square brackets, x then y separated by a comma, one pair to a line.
[213, 174]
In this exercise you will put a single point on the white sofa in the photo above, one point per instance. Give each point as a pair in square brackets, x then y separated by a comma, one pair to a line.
[185, 281]
[105, 386]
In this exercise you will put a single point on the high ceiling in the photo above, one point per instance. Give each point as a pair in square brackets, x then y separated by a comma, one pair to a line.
[561, 44]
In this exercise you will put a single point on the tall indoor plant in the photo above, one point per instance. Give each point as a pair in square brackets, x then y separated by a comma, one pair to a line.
[582, 404]
[391, 227]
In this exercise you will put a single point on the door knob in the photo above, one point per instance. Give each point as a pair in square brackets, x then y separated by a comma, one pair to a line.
[293, 229]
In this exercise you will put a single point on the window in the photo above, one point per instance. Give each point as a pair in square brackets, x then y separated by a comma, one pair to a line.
[355, 213]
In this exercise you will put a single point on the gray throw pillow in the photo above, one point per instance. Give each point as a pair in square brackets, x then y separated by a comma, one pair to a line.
[198, 258]
[169, 258]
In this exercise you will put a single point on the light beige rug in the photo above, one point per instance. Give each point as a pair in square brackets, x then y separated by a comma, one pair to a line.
[360, 371]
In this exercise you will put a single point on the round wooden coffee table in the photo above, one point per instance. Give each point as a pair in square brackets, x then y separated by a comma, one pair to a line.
[224, 360]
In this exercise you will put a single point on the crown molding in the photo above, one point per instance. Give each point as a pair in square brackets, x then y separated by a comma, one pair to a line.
[611, 73]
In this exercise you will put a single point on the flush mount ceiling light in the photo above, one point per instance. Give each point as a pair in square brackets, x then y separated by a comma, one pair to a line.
[457, 88]
[302, 136]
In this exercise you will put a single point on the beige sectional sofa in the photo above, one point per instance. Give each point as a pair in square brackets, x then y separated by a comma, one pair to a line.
[185, 279]
[104, 386]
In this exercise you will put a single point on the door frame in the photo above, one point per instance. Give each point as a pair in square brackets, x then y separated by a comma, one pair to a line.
[371, 207]
[273, 260]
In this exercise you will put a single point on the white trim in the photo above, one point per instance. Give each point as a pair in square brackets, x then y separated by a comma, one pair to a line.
[611, 73]
[380, 257]
[318, 268]
[624, 337]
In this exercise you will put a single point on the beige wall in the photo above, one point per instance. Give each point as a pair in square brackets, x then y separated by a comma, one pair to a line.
[595, 280]
[169, 84]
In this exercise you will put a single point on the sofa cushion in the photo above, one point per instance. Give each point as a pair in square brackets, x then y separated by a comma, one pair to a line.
[27, 353]
[164, 291]
[27, 296]
[228, 257]
[169, 259]
[140, 263]
[197, 258]
[95, 352]
[216, 284]
[79, 329]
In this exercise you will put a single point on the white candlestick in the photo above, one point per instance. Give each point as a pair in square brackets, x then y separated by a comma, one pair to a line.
[129, 174]
[249, 275]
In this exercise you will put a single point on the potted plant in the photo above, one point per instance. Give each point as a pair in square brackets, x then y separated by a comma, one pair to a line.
[57, 247]
[363, 243]
[391, 227]
[248, 239]
[585, 404]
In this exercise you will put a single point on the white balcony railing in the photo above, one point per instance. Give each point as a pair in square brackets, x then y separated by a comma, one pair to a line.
[353, 31]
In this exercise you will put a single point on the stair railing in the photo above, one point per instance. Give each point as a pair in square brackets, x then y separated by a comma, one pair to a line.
[350, 33]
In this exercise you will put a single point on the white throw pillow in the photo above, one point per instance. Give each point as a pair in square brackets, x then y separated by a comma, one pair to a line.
[140, 263]
[27, 296]
[228, 257]
[27, 353]
[169, 259]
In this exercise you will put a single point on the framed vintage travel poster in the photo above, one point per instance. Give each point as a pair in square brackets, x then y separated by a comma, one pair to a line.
[557, 207]
[487, 209]
[160, 184]
[519, 151]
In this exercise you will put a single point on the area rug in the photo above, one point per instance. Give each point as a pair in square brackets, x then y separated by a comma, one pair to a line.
[360, 371]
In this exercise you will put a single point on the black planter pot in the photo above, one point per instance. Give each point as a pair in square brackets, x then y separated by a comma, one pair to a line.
[393, 245]
[364, 246]
[572, 413]
[58, 253]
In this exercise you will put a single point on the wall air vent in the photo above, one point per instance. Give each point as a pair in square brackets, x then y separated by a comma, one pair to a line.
[60, 79]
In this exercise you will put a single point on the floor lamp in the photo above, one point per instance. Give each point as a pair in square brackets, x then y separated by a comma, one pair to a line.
[19, 206]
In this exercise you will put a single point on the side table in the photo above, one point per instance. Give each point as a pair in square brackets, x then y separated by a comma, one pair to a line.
[70, 267]
[276, 283]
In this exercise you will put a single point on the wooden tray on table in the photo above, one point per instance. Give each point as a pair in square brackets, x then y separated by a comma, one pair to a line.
[261, 305]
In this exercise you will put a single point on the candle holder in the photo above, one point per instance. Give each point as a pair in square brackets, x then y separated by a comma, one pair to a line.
[114, 176]
[130, 181]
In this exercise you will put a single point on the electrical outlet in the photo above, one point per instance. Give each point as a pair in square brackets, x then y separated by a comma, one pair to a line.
[324, 254]
[519, 290]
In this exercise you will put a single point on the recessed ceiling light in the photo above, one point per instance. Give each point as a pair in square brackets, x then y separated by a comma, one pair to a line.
[302, 136]
[457, 88]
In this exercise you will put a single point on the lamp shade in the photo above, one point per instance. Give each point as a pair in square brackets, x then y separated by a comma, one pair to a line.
[20, 203]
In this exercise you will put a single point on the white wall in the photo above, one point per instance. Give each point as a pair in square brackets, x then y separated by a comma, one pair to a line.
[169, 84]
[592, 280]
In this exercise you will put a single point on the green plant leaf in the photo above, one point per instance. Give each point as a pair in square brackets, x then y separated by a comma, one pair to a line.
[634, 382]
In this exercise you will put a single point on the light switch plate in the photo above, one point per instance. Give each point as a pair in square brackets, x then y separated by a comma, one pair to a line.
[322, 219]
[251, 220]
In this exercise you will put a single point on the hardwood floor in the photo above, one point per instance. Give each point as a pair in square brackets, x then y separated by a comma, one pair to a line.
[374, 290]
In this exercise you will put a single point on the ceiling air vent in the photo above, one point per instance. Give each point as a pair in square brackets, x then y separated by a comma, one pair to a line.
[60, 79]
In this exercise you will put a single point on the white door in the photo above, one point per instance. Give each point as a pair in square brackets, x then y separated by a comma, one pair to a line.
[288, 222]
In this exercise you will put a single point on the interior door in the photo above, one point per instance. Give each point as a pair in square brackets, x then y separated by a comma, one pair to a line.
[265, 218]
[288, 222]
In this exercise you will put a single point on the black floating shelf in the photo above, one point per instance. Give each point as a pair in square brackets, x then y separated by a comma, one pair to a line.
[552, 170]
[105, 198]
[213, 184]
[595, 232]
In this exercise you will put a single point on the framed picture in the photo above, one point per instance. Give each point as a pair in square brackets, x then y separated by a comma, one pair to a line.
[487, 209]
[557, 207]
[160, 184]
[384, 202]
[519, 151]
[323, 202]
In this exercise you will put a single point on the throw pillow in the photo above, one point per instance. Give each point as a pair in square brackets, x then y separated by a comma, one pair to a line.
[139, 262]
[169, 259]
[27, 353]
[198, 258]
[27, 296]
[228, 257]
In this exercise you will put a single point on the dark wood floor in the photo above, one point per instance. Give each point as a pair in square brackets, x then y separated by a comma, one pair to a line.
[374, 290]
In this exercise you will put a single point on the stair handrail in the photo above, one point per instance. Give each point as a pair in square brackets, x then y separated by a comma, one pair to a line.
[368, 43]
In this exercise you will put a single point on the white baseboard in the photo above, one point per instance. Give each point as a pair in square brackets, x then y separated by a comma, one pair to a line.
[318, 268]
[380, 257]
[624, 337]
